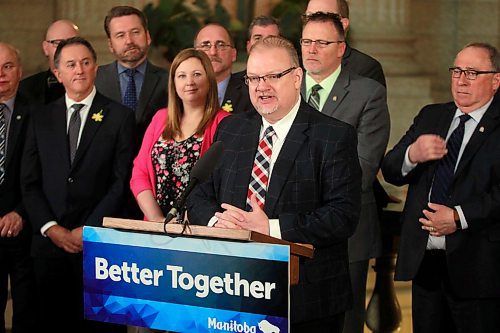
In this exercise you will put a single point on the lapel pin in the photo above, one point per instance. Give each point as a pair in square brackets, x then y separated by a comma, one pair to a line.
[481, 129]
[18, 117]
[334, 98]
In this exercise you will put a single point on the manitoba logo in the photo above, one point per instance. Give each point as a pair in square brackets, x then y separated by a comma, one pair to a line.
[267, 327]
[231, 326]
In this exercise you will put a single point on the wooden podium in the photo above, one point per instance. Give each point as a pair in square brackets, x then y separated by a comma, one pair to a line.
[296, 250]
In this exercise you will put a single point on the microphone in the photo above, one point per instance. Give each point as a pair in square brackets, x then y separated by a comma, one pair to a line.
[200, 172]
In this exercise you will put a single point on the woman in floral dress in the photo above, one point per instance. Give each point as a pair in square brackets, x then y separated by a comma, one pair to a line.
[177, 135]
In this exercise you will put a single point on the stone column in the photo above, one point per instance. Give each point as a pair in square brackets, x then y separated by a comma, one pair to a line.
[382, 29]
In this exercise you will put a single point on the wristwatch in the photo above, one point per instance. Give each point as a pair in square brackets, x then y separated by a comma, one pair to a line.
[456, 217]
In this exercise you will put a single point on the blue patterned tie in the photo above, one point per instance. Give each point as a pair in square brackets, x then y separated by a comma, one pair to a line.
[130, 97]
[445, 170]
[3, 141]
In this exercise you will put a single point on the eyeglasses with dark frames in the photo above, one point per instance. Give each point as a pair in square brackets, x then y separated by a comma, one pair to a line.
[470, 74]
[219, 45]
[319, 42]
[269, 78]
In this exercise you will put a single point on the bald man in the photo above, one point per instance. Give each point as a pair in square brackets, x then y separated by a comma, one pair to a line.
[15, 234]
[43, 87]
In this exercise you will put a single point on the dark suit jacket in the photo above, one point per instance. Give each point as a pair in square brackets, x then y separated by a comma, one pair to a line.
[237, 94]
[361, 102]
[473, 254]
[10, 189]
[362, 64]
[153, 92]
[314, 192]
[37, 90]
[91, 188]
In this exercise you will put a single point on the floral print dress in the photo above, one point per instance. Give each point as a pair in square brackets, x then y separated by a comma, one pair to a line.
[172, 163]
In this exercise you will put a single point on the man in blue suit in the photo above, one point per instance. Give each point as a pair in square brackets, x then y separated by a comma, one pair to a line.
[450, 238]
[311, 191]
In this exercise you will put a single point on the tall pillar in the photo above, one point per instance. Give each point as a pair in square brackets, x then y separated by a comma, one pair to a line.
[382, 29]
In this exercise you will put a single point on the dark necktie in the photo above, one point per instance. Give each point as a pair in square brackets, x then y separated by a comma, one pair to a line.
[445, 170]
[75, 123]
[130, 97]
[260, 170]
[314, 98]
[3, 141]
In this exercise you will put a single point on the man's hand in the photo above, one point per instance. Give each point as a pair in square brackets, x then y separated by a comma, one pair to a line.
[236, 218]
[11, 224]
[64, 239]
[440, 222]
[78, 235]
[427, 147]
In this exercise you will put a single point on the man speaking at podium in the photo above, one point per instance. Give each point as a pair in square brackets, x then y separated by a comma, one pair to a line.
[290, 172]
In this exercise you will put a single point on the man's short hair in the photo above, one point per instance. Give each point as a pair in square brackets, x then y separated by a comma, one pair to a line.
[326, 17]
[492, 51]
[343, 7]
[231, 39]
[119, 11]
[73, 41]
[262, 21]
[281, 43]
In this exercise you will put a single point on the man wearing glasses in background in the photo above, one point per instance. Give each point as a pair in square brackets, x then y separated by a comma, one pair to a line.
[450, 238]
[43, 88]
[216, 41]
[290, 172]
[361, 102]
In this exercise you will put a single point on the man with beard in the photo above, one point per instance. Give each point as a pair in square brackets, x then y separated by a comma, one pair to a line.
[216, 41]
[132, 80]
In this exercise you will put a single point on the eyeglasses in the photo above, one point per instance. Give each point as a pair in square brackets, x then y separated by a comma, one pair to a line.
[219, 46]
[319, 42]
[54, 42]
[270, 78]
[470, 74]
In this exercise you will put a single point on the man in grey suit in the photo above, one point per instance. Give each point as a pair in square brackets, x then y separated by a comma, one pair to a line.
[361, 102]
[132, 80]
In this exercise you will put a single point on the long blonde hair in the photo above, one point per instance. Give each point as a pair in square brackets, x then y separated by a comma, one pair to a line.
[175, 105]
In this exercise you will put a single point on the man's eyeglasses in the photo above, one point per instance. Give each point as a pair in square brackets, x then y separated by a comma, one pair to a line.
[219, 45]
[319, 42]
[269, 78]
[470, 74]
[54, 42]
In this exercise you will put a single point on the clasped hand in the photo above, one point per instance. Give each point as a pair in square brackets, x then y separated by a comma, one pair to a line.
[235, 218]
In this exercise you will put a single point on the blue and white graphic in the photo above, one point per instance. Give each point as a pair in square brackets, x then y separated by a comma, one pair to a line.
[185, 284]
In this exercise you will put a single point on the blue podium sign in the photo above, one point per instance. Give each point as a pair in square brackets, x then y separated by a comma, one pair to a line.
[185, 284]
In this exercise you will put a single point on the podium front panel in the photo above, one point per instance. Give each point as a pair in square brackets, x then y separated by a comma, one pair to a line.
[185, 284]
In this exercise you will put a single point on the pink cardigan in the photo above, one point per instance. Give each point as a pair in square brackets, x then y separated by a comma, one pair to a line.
[143, 175]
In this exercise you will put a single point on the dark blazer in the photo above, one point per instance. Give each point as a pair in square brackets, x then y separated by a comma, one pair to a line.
[361, 102]
[237, 94]
[10, 189]
[91, 188]
[314, 192]
[362, 64]
[473, 254]
[153, 92]
[38, 91]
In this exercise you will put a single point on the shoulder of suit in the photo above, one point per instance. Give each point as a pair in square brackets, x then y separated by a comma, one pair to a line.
[366, 82]
[155, 69]
[362, 57]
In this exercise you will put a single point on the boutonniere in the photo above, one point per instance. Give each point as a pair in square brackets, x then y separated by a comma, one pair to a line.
[98, 116]
[228, 107]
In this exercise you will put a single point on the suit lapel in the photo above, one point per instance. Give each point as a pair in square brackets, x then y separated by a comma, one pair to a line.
[148, 87]
[16, 123]
[92, 124]
[286, 159]
[57, 118]
[337, 94]
[486, 126]
[248, 141]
